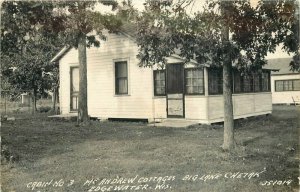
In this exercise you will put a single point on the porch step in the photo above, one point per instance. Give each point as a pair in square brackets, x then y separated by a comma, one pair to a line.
[175, 122]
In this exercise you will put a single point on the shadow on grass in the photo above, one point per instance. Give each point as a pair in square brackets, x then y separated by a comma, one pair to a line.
[32, 137]
[252, 140]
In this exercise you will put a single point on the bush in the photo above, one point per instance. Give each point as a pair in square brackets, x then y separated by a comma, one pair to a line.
[6, 155]
[44, 109]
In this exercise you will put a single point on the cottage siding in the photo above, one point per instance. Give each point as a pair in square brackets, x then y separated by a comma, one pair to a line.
[283, 97]
[160, 107]
[244, 105]
[195, 107]
[102, 100]
[215, 107]
[262, 102]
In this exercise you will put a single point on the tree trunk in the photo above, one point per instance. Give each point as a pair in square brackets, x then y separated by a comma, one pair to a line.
[82, 100]
[57, 92]
[54, 100]
[228, 143]
[34, 93]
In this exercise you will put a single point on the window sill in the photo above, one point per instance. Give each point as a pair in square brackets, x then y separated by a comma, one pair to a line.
[287, 91]
[122, 95]
[194, 95]
[248, 93]
[159, 96]
[251, 93]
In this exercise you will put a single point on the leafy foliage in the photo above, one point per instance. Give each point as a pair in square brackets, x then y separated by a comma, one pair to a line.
[79, 17]
[168, 29]
[27, 44]
[32, 32]
[295, 63]
[225, 33]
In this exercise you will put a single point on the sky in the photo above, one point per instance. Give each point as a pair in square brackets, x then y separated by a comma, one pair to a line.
[197, 6]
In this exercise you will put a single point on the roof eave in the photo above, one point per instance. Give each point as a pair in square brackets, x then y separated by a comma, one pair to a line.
[275, 70]
[61, 53]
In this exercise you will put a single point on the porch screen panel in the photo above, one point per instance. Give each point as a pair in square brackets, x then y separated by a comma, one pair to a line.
[121, 75]
[256, 82]
[194, 81]
[159, 82]
[237, 82]
[247, 83]
[265, 81]
[215, 81]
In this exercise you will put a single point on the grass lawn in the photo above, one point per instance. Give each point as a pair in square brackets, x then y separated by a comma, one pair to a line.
[51, 155]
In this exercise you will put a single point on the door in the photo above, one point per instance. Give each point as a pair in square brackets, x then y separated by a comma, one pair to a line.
[74, 88]
[175, 90]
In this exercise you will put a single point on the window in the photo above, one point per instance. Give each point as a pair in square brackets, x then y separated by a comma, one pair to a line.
[194, 81]
[279, 86]
[237, 82]
[121, 78]
[159, 82]
[296, 85]
[247, 83]
[287, 85]
[242, 83]
[265, 83]
[215, 80]
[256, 82]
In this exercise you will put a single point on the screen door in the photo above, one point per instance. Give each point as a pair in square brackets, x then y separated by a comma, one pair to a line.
[175, 90]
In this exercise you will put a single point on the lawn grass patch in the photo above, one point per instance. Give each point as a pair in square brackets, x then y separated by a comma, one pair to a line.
[47, 150]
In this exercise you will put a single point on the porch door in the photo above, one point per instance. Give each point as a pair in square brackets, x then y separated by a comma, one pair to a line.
[74, 88]
[175, 90]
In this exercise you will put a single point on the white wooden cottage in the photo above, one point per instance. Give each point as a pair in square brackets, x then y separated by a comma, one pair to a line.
[285, 84]
[119, 88]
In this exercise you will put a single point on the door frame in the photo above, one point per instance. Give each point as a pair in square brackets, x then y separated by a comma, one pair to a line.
[182, 92]
[71, 91]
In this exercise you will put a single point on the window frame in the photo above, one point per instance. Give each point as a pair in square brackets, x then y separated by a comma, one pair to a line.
[115, 62]
[269, 81]
[154, 82]
[259, 76]
[241, 87]
[252, 84]
[220, 85]
[185, 81]
[283, 87]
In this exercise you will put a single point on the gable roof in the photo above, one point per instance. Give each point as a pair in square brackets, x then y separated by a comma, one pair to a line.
[127, 29]
[280, 66]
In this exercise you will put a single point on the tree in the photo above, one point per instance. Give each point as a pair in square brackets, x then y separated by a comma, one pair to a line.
[81, 25]
[27, 45]
[295, 63]
[166, 27]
